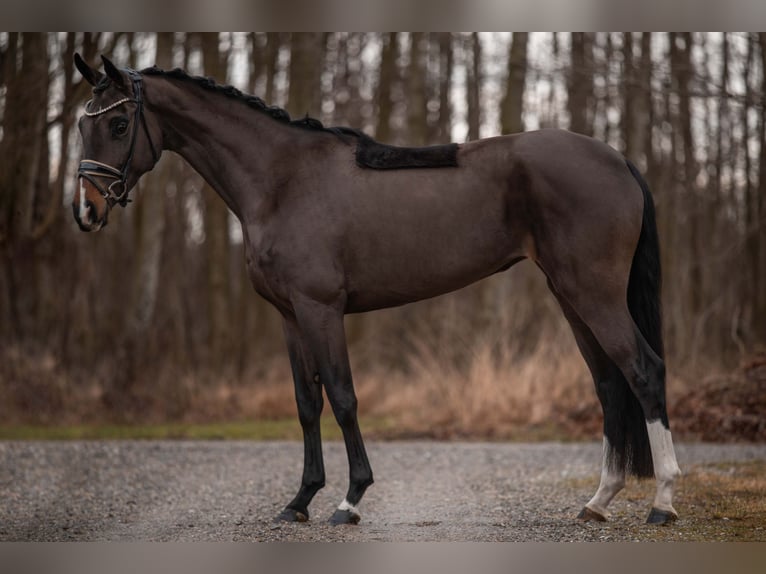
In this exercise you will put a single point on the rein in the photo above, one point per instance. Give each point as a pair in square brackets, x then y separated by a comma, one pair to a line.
[91, 169]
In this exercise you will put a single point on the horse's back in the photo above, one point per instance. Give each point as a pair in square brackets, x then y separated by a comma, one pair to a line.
[549, 151]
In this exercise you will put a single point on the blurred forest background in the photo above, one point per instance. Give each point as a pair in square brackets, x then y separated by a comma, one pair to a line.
[154, 319]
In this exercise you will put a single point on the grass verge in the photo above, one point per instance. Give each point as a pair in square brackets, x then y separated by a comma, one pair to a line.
[716, 502]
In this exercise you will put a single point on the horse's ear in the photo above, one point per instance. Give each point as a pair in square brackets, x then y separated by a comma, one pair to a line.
[117, 77]
[93, 77]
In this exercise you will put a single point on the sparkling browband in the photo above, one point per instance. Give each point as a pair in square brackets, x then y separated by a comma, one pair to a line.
[107, 108]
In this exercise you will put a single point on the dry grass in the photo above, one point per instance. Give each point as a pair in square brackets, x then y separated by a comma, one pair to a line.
[443, 388]
[716, 502]
[494, 395]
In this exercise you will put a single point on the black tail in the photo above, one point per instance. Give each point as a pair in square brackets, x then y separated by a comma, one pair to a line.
[646, 276]
[630, 442]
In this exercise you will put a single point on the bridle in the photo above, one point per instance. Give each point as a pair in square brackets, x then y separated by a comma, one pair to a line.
[91, 169]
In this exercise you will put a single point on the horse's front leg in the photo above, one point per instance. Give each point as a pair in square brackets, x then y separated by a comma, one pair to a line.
[308, 395]
[321, 327]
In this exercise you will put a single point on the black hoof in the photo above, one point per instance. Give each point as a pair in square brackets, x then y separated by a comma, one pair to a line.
[344, 517]
[657, 516]
[291, 515]
[587, 515]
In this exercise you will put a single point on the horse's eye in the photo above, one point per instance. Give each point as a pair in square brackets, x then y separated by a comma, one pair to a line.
[119, 126]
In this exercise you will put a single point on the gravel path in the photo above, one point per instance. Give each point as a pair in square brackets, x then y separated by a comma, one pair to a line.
[211, 491]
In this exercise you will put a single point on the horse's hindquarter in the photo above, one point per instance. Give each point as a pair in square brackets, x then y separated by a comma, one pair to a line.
[418, 233]
[585, 203]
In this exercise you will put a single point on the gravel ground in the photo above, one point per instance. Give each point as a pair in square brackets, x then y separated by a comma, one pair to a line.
[230, 491]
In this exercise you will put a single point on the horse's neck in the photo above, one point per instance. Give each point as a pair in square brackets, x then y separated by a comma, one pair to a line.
[232, 147]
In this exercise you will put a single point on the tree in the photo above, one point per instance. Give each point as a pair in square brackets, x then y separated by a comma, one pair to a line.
[758, 245]
[150, 222]
[25, 163]
[472, 61]
[347, 74]
[307, 50]
[580, 84]
[681, 65]
[417, 110]
[216, 233]
[443, 48]
[512, 106]
[634, 119]
[386, 79]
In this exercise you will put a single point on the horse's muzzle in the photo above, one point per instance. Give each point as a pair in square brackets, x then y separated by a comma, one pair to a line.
[85, 210]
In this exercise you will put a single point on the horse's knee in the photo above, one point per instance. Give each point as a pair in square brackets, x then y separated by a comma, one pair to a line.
[309, 418]
[310, 406]
[345, 411]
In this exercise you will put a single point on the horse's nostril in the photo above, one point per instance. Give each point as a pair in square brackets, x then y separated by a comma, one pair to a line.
[90, 209]
[86, 215]
[84, 226]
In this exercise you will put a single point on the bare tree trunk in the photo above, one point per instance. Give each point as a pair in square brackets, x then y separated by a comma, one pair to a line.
[53, 209]
[347, 80]
[23, 169]
[742, 321]
[386, 79]
[683, 71]
[256, 43]
[442, 131]
[47, 233]
[580, 84]
[10, 322]
[473, 60]
[24, 147]
[605, 101]
[307, 50]
[511, 120]
[687, 243]
[667, 183]
[714, 231]
[417, 112]
[273, 45]
[759, 245]
[722, 119]
[550, 118]
[635, 115]
[216, 233]
[150, 222]
[645, 77]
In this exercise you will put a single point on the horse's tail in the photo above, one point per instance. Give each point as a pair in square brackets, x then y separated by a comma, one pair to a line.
[632, 450]
[646, 276]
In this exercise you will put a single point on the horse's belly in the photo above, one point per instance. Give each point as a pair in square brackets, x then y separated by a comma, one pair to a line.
[391, 279]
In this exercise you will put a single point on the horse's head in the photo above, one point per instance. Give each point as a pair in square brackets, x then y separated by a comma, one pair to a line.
[121, 141]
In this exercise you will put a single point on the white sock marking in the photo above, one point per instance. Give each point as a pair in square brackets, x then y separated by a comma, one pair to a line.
[612, 482]
[665, 465]
[346, 505]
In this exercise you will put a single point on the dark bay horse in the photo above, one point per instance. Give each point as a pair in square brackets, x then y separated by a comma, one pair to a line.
[336, 223]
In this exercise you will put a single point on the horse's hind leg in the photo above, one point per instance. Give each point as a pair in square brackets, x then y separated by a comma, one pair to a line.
[308, 395]
[321, 327]
[600, 302]
[607, 378]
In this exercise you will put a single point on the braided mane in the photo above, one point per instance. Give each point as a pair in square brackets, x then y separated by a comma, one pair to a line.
[275, 112]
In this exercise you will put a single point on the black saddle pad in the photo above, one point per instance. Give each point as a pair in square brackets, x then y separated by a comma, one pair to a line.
[375, 155]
